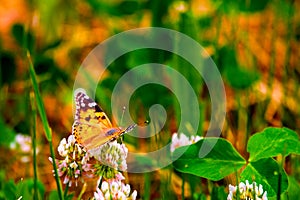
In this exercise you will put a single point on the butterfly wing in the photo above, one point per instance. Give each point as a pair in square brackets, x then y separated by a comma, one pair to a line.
[91, 123]
[87, 111]
[92, 135]
[91, 127]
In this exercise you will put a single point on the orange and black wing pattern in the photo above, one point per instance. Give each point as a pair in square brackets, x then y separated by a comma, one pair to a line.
[91, 127]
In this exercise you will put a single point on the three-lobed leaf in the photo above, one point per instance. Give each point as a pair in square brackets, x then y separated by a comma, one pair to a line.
[221, 161]
[273, 142]
[266, 172]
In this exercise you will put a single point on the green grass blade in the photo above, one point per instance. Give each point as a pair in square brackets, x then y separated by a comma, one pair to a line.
[33, 138]
[45, 123]
[39, 102]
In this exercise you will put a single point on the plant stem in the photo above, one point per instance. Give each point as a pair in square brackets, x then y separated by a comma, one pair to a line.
[66, 191]
[83, 191]
[33, 138]
[58, 183]
[147, 186]
[280, 171]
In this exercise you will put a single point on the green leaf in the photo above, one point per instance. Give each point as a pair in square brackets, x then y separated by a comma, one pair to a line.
[10, 189]
[293, 189]
[221, 161]
[53, 195]
[265, 172]
[240, 78]
[24, 38]
[273, 142]
[23, 189]
[52, 45]
[42, 112]
[39, 101]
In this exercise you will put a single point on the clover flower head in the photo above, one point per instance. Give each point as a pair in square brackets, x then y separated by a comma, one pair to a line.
[75, 162]
[23, 145]
[181, 139]
[114, 189]
[247, 191]
[104, 162]
[111, 154]
[180, 6]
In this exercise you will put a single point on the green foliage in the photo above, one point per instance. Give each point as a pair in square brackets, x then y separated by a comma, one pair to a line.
[39, 101]
[273, 142]
[244, 6]
[42, 113]
[43, 63]
[47, 68]
[54, 196]
[253, 5]
[218, 193]
[266, 172]
[24, 38]
[293, 189]
[7, 134]
[240, 78]
[121, 8]
[24, 189]
[221, 161]
[7, 67]
[200, 196]
[236, 76]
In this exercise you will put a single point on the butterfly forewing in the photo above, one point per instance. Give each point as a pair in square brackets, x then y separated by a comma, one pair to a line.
[92, 136]
[88, 111]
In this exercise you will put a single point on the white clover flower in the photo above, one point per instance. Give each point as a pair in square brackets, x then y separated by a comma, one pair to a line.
[74, 165]
[247, 192]
[25, 142]
[114, 189]
[98, 195]
[181, 139]
[180, 6]
[71, 140]
[62, 148]
[23, 145]
[111, 154]
[195, 139]
[104, 186]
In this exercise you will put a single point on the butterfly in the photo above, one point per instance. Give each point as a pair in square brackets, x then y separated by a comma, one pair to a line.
[92, 128]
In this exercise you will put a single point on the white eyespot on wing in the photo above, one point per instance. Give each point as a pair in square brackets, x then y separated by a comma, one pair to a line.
[91, 105]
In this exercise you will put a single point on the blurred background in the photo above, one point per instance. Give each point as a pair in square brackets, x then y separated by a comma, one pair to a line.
[254, 43]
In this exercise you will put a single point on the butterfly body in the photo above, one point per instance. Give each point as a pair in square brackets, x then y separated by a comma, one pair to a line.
[92, 128]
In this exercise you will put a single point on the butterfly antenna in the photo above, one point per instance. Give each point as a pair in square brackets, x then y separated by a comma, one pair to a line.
[121, 122]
